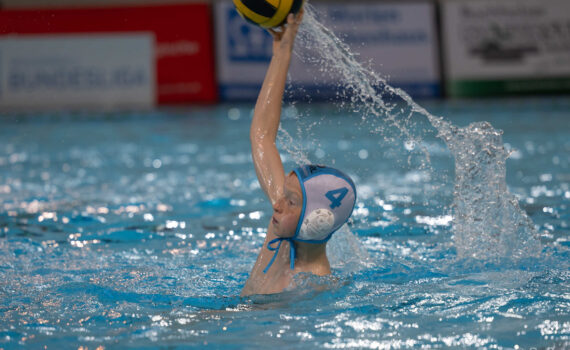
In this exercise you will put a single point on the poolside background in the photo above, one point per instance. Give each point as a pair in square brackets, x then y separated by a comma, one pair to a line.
[204, 52]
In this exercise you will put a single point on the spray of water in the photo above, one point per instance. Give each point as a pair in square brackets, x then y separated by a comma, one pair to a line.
[488, 224]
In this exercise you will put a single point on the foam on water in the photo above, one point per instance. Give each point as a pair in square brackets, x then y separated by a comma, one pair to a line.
[488, 223]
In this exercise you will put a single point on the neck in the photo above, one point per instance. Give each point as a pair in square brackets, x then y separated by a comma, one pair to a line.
[312, 258]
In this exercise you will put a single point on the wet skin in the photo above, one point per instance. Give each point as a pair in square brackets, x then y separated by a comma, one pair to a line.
[287, 209]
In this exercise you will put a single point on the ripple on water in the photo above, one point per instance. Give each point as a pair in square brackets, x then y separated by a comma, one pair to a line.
[142, 231]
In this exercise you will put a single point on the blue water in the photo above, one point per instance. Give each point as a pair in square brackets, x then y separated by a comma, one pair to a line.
[138, 230]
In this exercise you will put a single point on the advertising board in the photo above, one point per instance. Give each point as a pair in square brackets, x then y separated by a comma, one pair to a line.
[506, 47]
[396, 40]
[181, 35]
[69, 71]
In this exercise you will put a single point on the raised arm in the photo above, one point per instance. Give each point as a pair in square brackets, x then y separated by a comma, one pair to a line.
[267, 114]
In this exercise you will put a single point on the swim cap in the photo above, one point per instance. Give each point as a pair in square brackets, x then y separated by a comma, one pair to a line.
[329, 196]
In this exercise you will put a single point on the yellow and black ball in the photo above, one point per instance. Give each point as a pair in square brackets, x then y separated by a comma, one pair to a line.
[267, 13]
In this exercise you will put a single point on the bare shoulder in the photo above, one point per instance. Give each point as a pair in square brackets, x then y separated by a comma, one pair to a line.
[276, 279]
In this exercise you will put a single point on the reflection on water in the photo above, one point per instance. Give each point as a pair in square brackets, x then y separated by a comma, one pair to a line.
[123, 254]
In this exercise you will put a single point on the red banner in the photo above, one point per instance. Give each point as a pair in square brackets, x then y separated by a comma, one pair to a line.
[183, 40]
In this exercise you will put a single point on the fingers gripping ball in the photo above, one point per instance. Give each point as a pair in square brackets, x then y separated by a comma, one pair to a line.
[267, 13]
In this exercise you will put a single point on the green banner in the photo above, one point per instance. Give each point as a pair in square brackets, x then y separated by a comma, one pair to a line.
[475, 88]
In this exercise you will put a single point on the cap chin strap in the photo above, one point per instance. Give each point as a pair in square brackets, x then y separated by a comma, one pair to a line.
[292, 251]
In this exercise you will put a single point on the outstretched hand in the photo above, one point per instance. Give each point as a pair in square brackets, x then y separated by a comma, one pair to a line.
[284, 36]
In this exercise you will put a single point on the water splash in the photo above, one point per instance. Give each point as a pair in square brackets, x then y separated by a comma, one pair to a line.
[293, 148]
[369, 94]
[488, 223]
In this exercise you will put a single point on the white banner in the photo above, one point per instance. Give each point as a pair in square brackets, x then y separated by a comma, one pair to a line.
[398, 41]
[59, 71]
[490, 39]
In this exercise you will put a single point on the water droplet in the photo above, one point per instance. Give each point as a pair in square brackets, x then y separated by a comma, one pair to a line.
[234, 114]
[363, 154]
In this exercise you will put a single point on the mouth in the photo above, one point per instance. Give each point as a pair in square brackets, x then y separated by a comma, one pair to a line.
[274, 220]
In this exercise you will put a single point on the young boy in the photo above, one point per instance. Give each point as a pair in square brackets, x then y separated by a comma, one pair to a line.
[309, 204]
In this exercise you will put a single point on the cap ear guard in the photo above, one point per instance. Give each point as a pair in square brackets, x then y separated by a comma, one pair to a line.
[317, 225]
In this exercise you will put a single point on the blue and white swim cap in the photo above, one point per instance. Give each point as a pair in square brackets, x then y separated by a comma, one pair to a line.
[329, 197]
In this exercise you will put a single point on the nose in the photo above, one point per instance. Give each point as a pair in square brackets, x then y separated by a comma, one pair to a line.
[278, 205]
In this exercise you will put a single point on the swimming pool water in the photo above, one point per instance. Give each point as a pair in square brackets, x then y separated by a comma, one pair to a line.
[138, 230]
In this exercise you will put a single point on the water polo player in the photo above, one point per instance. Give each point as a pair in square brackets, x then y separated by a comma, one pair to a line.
[309, 204]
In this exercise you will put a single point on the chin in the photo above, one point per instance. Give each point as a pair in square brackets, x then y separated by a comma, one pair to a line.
[284, 235]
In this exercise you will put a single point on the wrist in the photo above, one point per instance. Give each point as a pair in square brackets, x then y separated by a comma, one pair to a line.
[282, 54]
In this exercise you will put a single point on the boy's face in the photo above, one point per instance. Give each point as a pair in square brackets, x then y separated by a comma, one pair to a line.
[287, 209]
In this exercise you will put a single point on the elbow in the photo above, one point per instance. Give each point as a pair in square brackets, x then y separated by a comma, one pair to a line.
[254, 135]
[258, 136]
[261, 141]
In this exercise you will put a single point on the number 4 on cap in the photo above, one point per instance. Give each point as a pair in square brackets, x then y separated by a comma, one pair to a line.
[336, 196]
